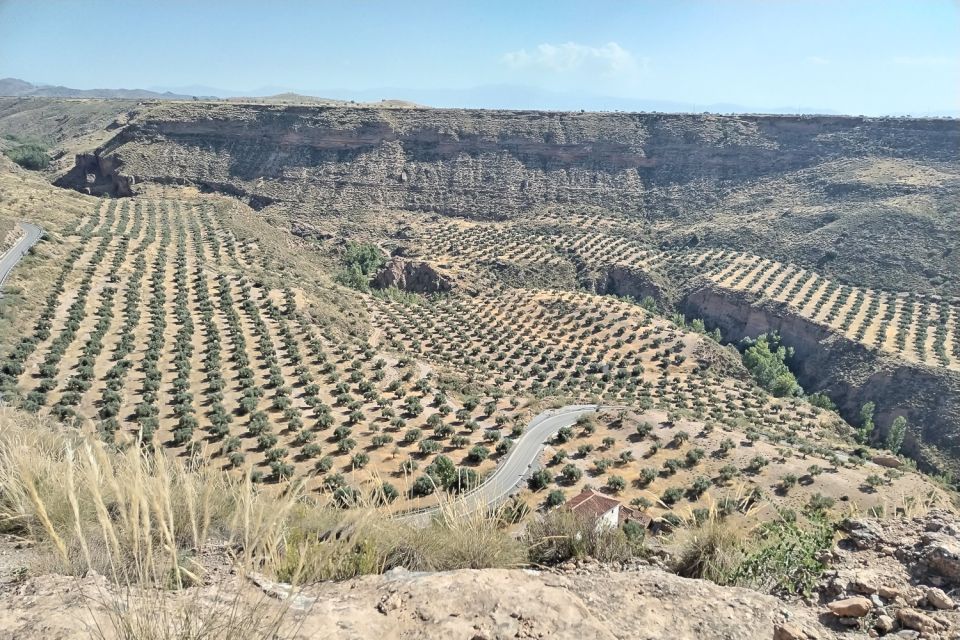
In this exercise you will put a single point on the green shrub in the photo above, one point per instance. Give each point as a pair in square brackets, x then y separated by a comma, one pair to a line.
[555, 498]
[671, 495]
[571, 473]
[616, 484]
[819, 503]
[360, 263]
[29, 156]
[780, 557]
[821, 400]
[766, 359]
[540, 480]
[478, 454]
[783, 559]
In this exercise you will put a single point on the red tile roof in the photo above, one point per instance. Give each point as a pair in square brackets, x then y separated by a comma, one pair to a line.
[627, 514]
[592, 504]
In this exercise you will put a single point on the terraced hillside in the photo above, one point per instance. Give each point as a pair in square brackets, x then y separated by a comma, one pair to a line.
[550, 259]
[153, 330]
[156, 327]
[913, 326]
[911, 334]
[916, 327]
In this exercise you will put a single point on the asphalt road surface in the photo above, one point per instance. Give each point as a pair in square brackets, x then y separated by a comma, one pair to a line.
[511, 471]
[31, 234]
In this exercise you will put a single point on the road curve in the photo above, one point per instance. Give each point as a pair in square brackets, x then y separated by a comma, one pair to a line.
[31, 234]
[512, 469]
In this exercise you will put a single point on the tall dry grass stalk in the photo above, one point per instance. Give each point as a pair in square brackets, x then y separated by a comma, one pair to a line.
[331, 544]
[232, 611]
[711, 548]
[905, 505]
[139, 517]
[145, 522]
[563, 535]
[153, 526]
[131, 514]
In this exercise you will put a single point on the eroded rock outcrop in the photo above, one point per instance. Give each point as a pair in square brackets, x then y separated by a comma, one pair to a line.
[415, 276]
[96, 174]
[887, 574]
[627, 281]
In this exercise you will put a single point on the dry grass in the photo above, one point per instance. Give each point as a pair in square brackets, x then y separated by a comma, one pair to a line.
[141, 520]
[712, 549]
[139, 517]
[135, 516]
[779, 555]
[149, 524]
[915, 505]
[362, 541]
[562, 535]
[230, 614]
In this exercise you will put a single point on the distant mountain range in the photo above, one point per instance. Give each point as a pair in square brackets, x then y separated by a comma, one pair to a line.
[492, 96]
[22, 89]
[480, 97]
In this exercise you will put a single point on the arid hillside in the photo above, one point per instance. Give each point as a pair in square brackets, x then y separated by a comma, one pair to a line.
[492, 163]
[825, 192]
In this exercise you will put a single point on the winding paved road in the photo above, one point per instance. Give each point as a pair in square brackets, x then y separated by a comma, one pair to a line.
[511, 471]
[31, 234]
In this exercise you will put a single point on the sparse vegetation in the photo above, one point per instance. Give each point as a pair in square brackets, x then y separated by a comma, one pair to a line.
[778, 557]
[94, 520]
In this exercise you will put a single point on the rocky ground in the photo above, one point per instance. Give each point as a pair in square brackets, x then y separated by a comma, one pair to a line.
[589, 602]
[899, 578]
[896, 579]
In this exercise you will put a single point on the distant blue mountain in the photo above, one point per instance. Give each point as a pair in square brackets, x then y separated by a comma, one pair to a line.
[495, 96]
[17, 88]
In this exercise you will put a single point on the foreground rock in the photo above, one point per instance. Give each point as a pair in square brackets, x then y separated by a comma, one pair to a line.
[597, 604]
[886, 578]
[895, 577]
[851, 607]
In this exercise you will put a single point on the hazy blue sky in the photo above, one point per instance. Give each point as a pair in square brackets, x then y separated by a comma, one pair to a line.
[870, 56]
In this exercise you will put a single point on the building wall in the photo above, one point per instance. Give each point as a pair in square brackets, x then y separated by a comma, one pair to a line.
[610, 519]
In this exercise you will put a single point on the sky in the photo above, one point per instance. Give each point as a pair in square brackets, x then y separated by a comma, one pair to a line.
[869, 57]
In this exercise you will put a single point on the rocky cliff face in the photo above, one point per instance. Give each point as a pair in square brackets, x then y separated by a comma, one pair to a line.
[483, 163]
[98, 175]
[625, 281]
[849, 372]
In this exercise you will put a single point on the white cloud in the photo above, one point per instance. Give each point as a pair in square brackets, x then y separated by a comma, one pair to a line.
[926, 61]
[569, 57]
[817, 60]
